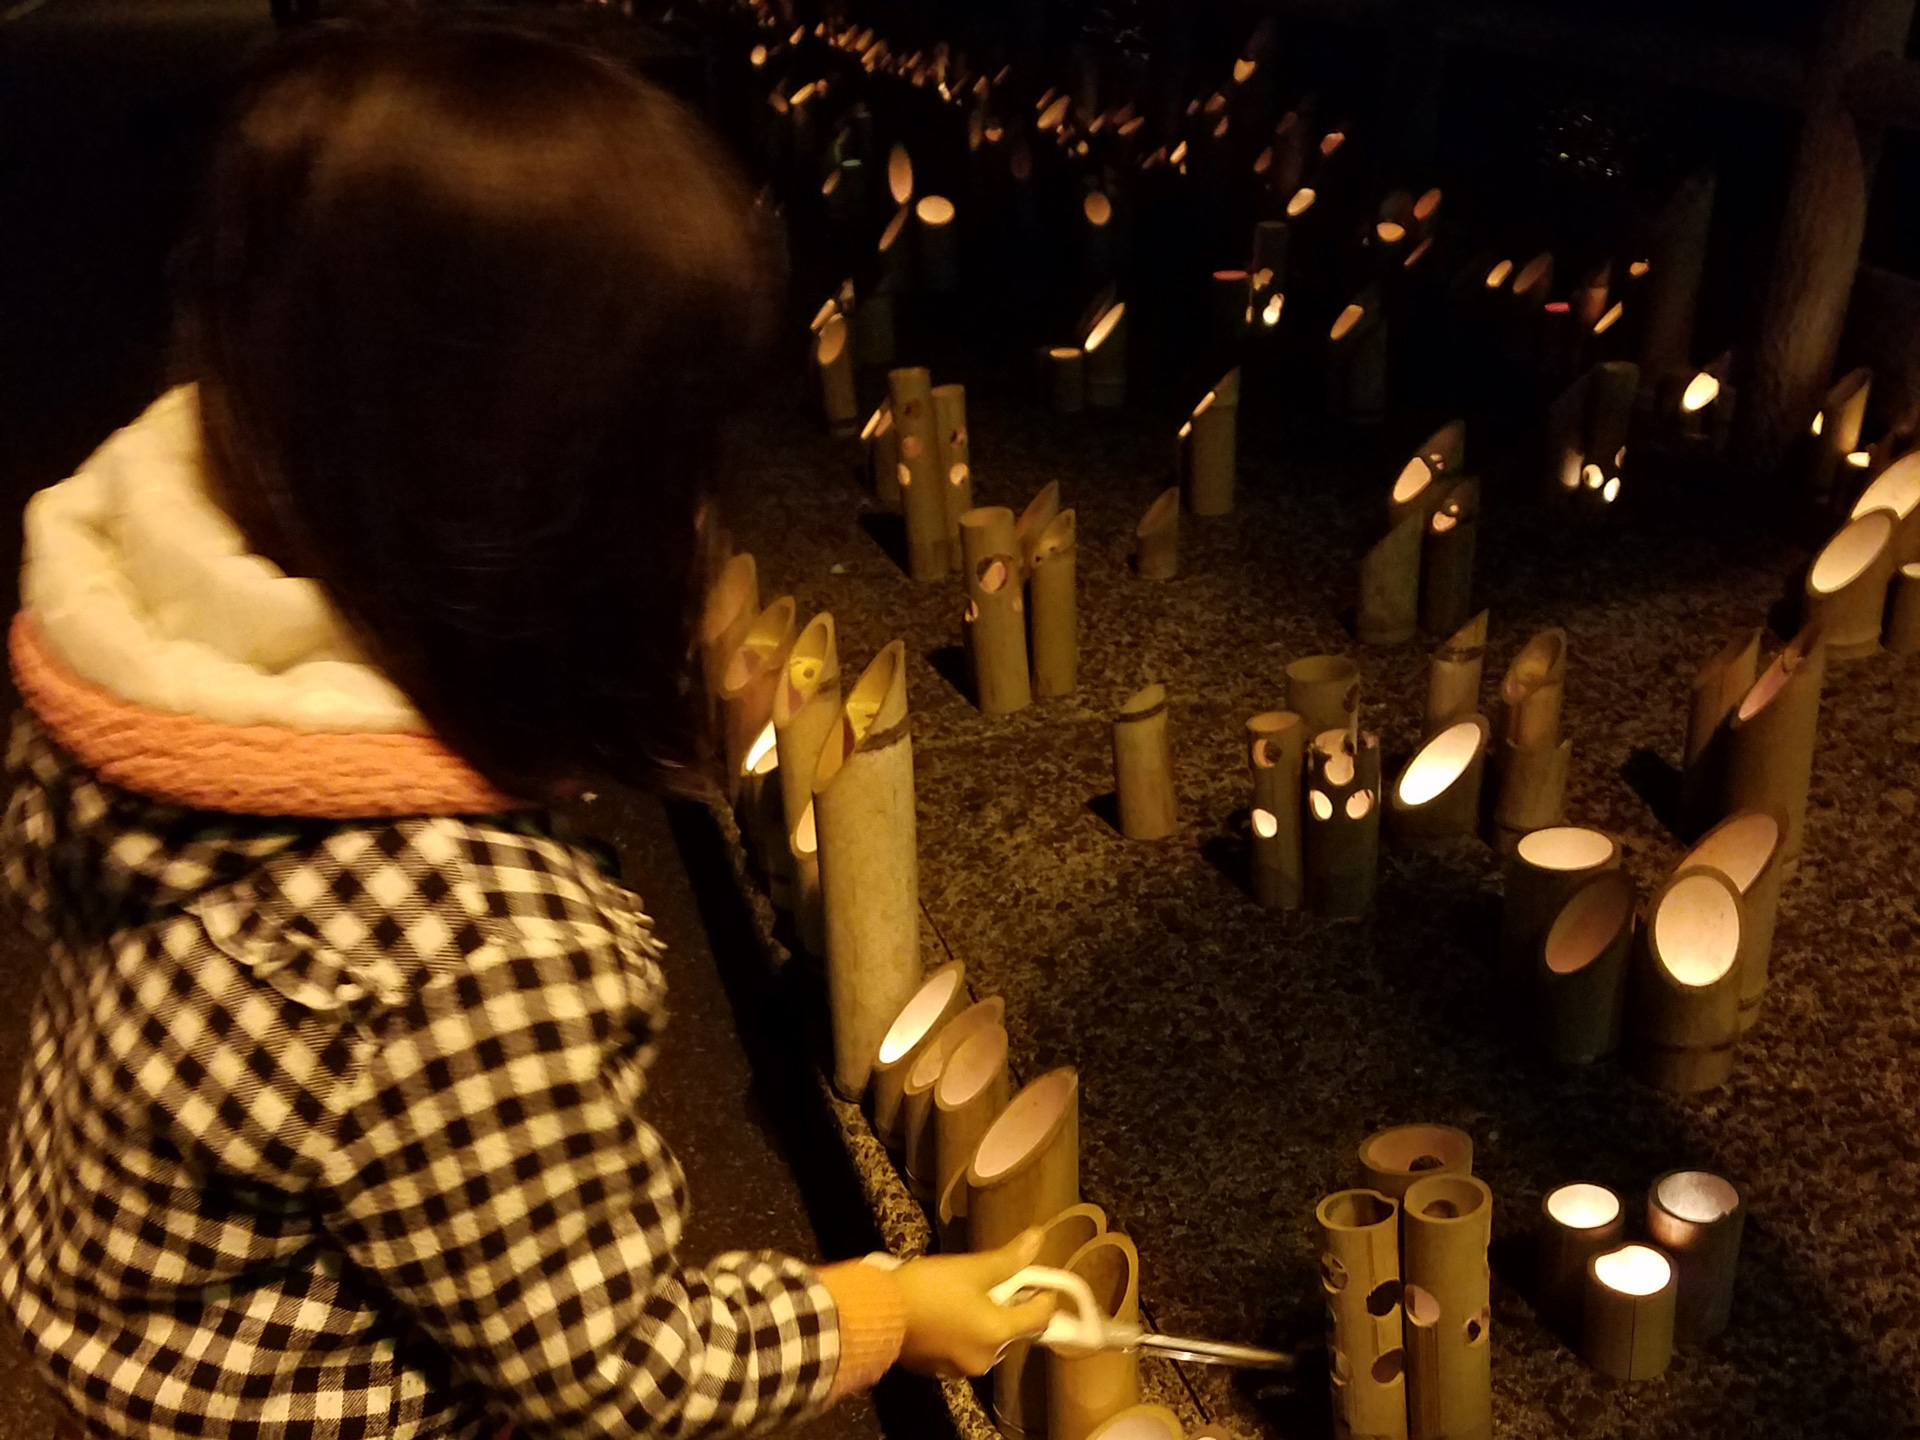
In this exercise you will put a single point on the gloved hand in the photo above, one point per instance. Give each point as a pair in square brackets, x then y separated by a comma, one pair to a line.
[953, 1329]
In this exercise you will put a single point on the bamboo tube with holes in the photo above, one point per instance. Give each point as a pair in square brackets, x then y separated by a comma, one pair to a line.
[1770, 739]
[919, 1145]
[923, 495]
[806, 706]
[1026, 1169]
[1718, 689]
[1903, 612]
[1156, 539]
[833, 357]
[1143, 766]
[1033, 522]
[1393, 1158]
[1446, 1225]
[953, 457]
[1626, 1327]
[1366, 1343]
[1389, 608]
[1357, 361]
[1746, 848]
[1022, 1382]
[1577, 1222]
[996, 620]
[1324, 691]
[1836, 434]
[1436, 799]
[1210, 447]
[1105, 366]
[883, 457]
[1697, 1218]
[1445, 451]
[1533, 790]
[971, 1094]
[1453, 675]
[1052, 610]
[869, 871]
[1446, 559]
[1686, 988]
[1533, 690]
[1417, 489]
[1086, 1389]
[941, 996]
[1066, 379]
[1580, 977]
[1545, 869]
[747, 686]
[1276, 756]
[1340, 829]
[732, 605]
[1847, 586]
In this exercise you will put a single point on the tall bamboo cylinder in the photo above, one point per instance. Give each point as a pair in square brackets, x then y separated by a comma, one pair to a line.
[1066, 379]
[1697, 1218]
[1086, 1389]
[1545, 870]
[1577, 1222]
[1143, 766]
[762, 828]
[1903, 611]
[1436, 799]
[1040, 513]
[1718, 689]
[1324, 691]
[1770, 739]
[1746, 849]
[1446, 559]
[1340, 834]
[747, 685]
[1052, 610]
[883, 457]
[1021, 1381]
[1581, 978]
[996, 611]
[1686, 992]
[1357, 361]
[1026, 1169]
[1836, 433]
[941, 996]
[1276, 757]
[939, 247]
[1847, 586]
[922, 488]
[1678, 257]
[869, 871]
[1389, 609]
[953, 461]
[1211, 448]
[1453, 675]
[1897, 491]
[732, 605]
[973, 1092]
[1533, 790]
[1446, 1225]
[1535, 684]
[919, 1144]
[833, 357]
[1393, 1158]
[1105, 349]
[806, 706]
[1366, 1344]
[1156, 540]
[1626, 1328]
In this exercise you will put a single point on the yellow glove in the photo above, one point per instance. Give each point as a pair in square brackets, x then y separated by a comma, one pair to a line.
[953, 1329]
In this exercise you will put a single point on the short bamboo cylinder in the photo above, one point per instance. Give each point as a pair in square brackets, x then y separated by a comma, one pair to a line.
[1087, 1389]
[1746, 849]
[833, 357]
[1446, 560]
[869, 872]
[1052, 610]
[941, 996]
[1211, 449]
[1393, 1158]
[1626, 1328]
[1697, 1218]
[919, 1145]
[1143, 766]
[972, 1093]
[1581, 980]
[1686, 992]
[1389, 611]
[953, 461]
[1034, 521]
[883, 457]
[732, 605]
[939, 247]
[1454, 674]
[1545, 870]
[1357, 362]
[996, 622]
[1105, 349]
[923, 495]
[1903, 612]
[1366, 1343]
[1340, 831]
[1847, 586]
[1026, 1169]
[1276, 759]
[1067, 379]
[747, 685]
[1533, 790]
[1156, 540]
[1533, 690]
[1718, 689]
[1022, 1380]
[1771, 736]
[1324, 691]
[1446, 1225]
[806, 707]
[1436, 800]
[1577, 1222]
[1141, 1422]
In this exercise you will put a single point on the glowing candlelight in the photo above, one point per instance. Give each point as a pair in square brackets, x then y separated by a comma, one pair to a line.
[1701, 392]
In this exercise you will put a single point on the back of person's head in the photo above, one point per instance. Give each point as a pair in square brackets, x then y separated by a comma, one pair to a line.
[465, 304]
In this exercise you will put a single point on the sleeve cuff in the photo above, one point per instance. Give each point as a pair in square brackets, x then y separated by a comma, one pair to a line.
[872, 1321]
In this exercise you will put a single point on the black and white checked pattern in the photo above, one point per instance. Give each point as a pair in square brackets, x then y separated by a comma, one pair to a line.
[330, 1130]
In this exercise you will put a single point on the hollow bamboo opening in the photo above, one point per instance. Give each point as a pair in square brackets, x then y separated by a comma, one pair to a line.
[1638, 1270]
[1851, 552]
[1440, 762]
[1583, 1207]
[899, 175]
[929, 1003]
[1696, 930]
[1588, 924]
[1024, 1127]
[1301, 202]
[1895, 489]
[1696, 1196]
[934, 211]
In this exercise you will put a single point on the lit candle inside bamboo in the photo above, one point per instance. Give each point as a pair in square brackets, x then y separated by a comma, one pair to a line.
[939, 244]
[883, 457]
[833, 357]
[1686, 1016]
[1577, 1222]
[1627, 1326]
[1896, 490]
[942, 996]
[1156, 540]
[1210, 436]
[1105, 349]
[1544, 871]
[1067, 379]
[1771, 737]
[1436, 800]
[1581, 978]
[1847, 586]
[1697, 1217]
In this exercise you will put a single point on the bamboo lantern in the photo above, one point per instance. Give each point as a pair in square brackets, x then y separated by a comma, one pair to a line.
[939, 244]
[1389, 609]
[1051, 609]
[1021, 1381]
[833, 356]
[996, 621]
[1446, 1225]
[1771, 736]
[1686, 1008]
[1324, 691]
[1746, 849]
[1678, 257]
[1143, 766]
[953, 456]
[748, 683]
[1156, 539]
[1393, 1158]
[1577, 1222]
[1535, 684]
[1445, 451]
[1066, 379]
[1276, 756]
[806, 705]
[1210, 448]
[1027, 1167]
[1357, 361]
[883, 457]
[1581, 979]
[1896, 490]
[971, 1094]
[1105, 349]
[1436, 800]
[941, 997]
[1903, 611]
[733, 604]
[1836, 433]
[1847, 586]
[1697, 1217]
[1096, 210]
[1087, 1389]
[1533, 790]
[1142, 1422]
[1230, 308]
[1543, 872]
[1340, 834]
[922, 487]
[1453, 675]
[1718, 689]
[1040, 513]
[919, 1142]
[1446, 560]
[1590, 299]
[1270, 250]
[1627, 1326]
[869, 873]
[1416, 489]
[1366, 1344]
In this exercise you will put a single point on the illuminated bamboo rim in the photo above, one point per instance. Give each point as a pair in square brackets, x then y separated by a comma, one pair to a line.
[832, 342]
[1633, 1270]
[1849, 554]
[806, 92]
[829, 308]
[878, 423]
[1497, 276]
[1414, 477]
[1243, 70]
[757, 56]
[1159, 512]
[779, 103]
[1697, 1196]
[1424, 207]
[934, 210]
[1696, 928]
[1390, 233]
[1447, 1197]
[1639, 268]
[1055, 114]
[806, 836]
[1023, 1129]
[1583, 1207]
[1859, 459]
[1132, 127]
[1417, 1149]
[1263, 162]
[832, 183]
[1607, 321]
[761, 758]
[876, 704]
[1775, 679]
[1230, 277]
[1270, 313]
[971, 1068]
[891, 235]
[1104, 326]
[932, 1062]
[1140, 1422]
[1895, 489]
[1417, 251]
[1701, 392]
[1216, 102]
[1332, 141]
[1535, 276]
[900, 174]
[807, 660]
[1566, 847]
[1097, 208]
[1064, 352]
[1301, 202]
[1348, 318]
[1220, 130]
[1588, 923]
[1739, 847]
[1178, 154]
[928, 1004]
[993, 133]
[1438, 764]
[1046, 99]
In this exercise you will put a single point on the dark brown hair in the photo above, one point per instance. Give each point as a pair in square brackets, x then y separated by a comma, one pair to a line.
[465, 304]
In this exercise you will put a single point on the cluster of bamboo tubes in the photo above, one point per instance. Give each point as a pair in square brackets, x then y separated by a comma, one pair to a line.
[1420, 573]
[1534, 759]
[1023, 1382]
[925, 432]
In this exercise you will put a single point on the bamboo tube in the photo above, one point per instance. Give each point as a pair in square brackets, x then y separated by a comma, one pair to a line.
[1436, 800]
[1366, 1346]
[1086, 1389]
[922, 490]
[953, 457]
[1626, 1326]
[941, 996]
[1590, 299]
[873, 342]
[748, 683]
[733, 604]
[1545, 870]
[939, 244]
[1210, 447]
[1610, 413]
[1027, 1167]
[1770, 739]
[1836, 433]
[919, 1144]
[1143, 766]
[1340, 836]
[1903, 611]
[1679, 254]
[971, 1094]
[1686, 994]
[1453, 675]
[1717, 690]
[1276, 756]
[1419, 484]
[1533, 790]
[895, 252]
[1390, 586]
[1746, 849]
[1577, 1222]
[1445, 451]
[1847, 586]
[1156, 540]
[806, 705]
[1446, 1225]
[1097, 237]
[1393, 1158]
[1270, 249]
[1357, 361]
[1697, 1217]
[950, 1215]
[883, 457]
[1142, 1422]
[996, 611]
[1228, 308]
[1022, 1381]
[1105, 349]
[1446, 560]
[1533, 688]
[869, 874]
[1067, 379]
[1053, 612]
[1034, 521]
[1324, 691]
[1897, 491]
[1581, 977]
[1566, 432]
[833, 355]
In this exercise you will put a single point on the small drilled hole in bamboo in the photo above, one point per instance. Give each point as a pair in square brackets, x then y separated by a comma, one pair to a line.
[1697, 1197]
[1383, 1299]
[1414, 254]
[806, 839]
[911, 1026]
[1610, 491]
[1333, 1275]
[935, 210]
[1633, 1270]
[1243, 71]
[1023, 1125]
[1696, 930]
[1594, 477]
[1359, 804]
[1355, 1209]
[994, 572]
[1819, 422]
[1444, 520]
[1332, 141]
[1321, 806]
[1477, 1326]
[1583, 1207]
[1424, 207]
[1264, 824]
[1422, 1308]
[1387, 1368]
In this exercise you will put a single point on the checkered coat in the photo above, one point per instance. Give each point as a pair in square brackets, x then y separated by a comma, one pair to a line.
[330, 1129]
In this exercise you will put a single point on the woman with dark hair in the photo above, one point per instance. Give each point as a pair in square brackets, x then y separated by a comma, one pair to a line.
[331, 1123]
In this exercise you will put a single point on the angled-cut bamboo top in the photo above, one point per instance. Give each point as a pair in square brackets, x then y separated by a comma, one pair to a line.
[812, 664]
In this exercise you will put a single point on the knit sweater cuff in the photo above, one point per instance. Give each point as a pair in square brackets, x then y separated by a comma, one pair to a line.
[873, 1323]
